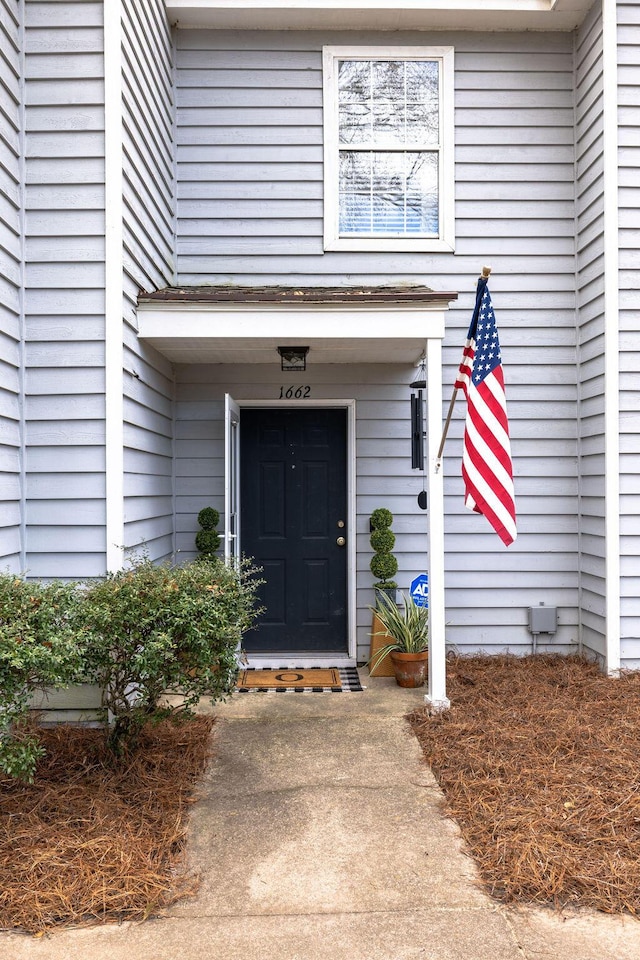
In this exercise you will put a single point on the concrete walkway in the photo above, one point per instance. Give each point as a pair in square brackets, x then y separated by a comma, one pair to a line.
[320, 834]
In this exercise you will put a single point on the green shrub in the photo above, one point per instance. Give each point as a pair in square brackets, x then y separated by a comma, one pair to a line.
[383, 540]
[384, 566]
[155, 629]
[208, 539]
[40, 646]
[381, 517]
[208, 518]
[207, 542]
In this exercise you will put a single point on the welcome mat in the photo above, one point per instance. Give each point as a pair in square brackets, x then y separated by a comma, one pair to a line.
[300, 680]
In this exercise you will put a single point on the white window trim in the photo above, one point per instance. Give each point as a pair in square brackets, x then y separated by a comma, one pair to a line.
[332, 238]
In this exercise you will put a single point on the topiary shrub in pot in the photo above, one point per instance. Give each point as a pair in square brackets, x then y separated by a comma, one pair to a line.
[383, 565]
[208, 539]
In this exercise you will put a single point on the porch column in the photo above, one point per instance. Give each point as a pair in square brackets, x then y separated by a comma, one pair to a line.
[437, 695]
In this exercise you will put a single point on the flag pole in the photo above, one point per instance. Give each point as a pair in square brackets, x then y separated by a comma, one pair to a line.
[486, 273]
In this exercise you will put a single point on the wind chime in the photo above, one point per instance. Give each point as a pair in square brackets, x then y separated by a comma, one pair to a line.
[417, 428]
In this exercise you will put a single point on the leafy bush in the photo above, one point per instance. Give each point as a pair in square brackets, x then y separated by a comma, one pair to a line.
[208, 518]
[384, 566]
[40, 647]
[155, 629]
[383, 540]
[207, 542]
[381, 517]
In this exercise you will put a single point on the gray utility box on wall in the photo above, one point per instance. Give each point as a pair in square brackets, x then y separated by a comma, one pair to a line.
[543, 619]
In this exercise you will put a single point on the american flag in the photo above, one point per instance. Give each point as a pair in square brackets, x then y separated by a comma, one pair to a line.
[486, 460]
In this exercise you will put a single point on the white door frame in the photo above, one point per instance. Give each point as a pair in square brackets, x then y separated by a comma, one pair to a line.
[278, 660]
[231, 480]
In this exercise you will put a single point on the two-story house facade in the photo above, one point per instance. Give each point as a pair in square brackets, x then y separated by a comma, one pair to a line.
[190, 190]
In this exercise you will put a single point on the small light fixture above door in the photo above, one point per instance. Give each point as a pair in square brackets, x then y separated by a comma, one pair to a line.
[293, 358]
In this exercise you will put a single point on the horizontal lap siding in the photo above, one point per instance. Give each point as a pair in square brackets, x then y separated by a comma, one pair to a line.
[629, 244]
[590, 326]
[64, 295]
[249, 166]
[147, 79]
[10, 285]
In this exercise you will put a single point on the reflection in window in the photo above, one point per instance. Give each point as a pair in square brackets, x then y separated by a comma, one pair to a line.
[391, 193]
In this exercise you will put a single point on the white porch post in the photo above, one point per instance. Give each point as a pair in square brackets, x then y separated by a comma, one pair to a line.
[437, 695]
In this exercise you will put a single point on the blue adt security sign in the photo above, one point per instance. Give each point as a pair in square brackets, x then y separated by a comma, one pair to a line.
[420, 590]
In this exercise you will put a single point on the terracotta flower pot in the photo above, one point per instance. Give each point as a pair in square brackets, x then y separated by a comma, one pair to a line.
[410, 668]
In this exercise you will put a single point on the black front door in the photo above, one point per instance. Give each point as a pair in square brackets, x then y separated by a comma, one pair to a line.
[293, 506]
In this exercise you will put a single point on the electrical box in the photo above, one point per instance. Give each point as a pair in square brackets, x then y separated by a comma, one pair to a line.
[543, 619]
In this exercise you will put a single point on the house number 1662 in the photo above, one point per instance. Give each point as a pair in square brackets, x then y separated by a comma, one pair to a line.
[294, 393]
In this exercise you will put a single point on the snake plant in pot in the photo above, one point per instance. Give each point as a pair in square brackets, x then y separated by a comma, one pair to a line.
[408, 627]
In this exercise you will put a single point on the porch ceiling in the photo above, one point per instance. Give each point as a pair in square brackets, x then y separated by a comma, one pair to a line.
[485, 15]
[246, 326]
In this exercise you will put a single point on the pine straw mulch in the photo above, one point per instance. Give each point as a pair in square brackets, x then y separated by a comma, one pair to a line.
[90, 841]
[539, 760]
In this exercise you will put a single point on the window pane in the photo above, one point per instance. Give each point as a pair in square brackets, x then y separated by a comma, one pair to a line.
[388, 102]
[354, 80]
[389, 124]
[355, 122]
[387, 80]
[388, 193]
[422, 123]
[422, 81]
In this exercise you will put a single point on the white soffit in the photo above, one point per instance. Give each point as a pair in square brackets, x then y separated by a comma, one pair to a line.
[483, 15]
[217, 333]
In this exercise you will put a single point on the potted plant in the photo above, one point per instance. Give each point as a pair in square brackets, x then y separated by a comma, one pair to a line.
[383, 565]
[407, 626]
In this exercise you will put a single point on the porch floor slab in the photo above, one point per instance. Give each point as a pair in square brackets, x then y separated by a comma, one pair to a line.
[321, 834]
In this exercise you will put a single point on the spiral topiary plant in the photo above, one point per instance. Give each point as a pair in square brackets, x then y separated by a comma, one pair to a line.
[383, 565]
[208, 539]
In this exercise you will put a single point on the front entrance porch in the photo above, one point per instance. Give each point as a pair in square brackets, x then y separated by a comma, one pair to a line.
[363, 350]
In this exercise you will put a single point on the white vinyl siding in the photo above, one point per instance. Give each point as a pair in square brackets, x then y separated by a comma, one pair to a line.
[10, 285]
[629, 342]
[249, 127]
[64, 289]
[148, 237]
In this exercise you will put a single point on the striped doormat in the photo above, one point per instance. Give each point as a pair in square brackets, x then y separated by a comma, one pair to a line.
[299, 680]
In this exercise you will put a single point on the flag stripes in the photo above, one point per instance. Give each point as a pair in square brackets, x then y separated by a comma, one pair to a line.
[486, 460]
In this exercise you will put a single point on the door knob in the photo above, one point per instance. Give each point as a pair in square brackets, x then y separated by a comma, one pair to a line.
[341, 541]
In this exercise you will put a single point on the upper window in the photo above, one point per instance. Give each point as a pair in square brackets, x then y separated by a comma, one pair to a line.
[388, 158]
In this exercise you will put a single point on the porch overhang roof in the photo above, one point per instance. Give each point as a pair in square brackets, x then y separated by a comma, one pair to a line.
[486, 15]
[247, 324]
